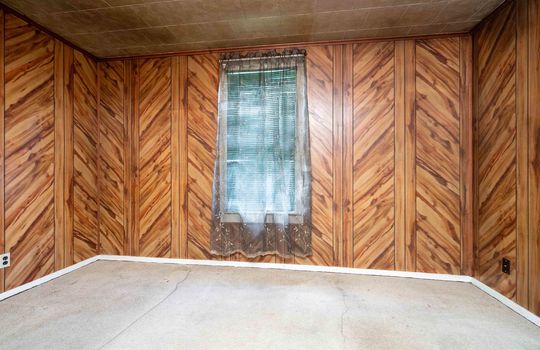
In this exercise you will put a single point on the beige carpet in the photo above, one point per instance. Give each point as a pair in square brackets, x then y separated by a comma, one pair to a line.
[120, 305]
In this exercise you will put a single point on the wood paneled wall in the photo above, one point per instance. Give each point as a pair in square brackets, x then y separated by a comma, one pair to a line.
[117, 156]
[29, 146]
[507, 121]
[388, 148]
[409, 195]
[48, 131]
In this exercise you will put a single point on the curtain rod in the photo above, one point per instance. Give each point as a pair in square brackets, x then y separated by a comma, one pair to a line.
[260, 57]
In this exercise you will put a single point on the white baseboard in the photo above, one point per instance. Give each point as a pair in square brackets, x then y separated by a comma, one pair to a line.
[46, 278]
[294, 267]
[509, 303]
[332, 269]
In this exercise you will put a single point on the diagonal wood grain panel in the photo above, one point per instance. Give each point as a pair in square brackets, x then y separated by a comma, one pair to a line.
[29, 152]
[496, 150]
[85, 139]
[319, 64]
[373, 155]
[111, 153]
[155, 157]
[438, 238]
[202, 126]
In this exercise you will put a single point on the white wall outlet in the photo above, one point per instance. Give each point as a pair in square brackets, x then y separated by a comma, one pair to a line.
[5, 260]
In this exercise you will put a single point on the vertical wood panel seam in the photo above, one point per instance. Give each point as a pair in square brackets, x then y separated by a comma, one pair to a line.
[342, 155]
[410, 154]
[59, 156]
[98, 158]
[175, 158]
[521, 81]
[399, 156]
[466, 157]
[2, 145]
[475, 154]
[461, 154]
[337, 152]
[135, 158]
[348, 156]
[68, 162]
[183, 160]
[126, 143]
[533, 159]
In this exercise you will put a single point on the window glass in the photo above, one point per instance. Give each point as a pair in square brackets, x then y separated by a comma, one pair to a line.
[255, 173]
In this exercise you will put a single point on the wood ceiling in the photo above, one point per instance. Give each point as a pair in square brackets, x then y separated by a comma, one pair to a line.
[112, 28]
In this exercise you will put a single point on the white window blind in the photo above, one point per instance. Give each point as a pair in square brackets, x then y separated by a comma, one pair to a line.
[266, 172]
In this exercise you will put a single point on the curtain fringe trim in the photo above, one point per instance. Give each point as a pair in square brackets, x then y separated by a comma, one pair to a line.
[258, 254]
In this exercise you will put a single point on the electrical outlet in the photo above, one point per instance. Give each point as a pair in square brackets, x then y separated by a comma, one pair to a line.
[505, 266]
[5, 260]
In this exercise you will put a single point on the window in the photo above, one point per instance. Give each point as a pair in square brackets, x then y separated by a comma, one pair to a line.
[261, 194]
[261, 110]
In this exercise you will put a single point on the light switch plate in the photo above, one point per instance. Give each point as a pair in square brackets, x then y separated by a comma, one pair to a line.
[5, 260]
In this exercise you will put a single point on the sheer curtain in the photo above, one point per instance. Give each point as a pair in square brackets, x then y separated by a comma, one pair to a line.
[262, 179]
